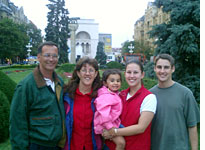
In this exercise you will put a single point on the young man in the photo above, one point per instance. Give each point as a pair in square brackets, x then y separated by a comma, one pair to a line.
[177, 115]
[37, 111]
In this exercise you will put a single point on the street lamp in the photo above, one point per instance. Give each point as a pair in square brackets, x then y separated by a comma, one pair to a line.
[131, 47]
[29, 50]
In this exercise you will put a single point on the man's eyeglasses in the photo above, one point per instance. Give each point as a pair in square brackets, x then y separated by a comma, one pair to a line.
[47, 55]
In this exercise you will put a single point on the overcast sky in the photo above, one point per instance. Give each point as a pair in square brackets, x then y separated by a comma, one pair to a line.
[116, 17]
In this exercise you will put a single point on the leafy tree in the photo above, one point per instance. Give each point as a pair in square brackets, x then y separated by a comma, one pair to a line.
[57, 29]
[141, 47]
[180, 37]
[12, 39]
[100, 55]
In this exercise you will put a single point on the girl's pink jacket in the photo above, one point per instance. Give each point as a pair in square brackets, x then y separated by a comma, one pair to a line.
[108, 109]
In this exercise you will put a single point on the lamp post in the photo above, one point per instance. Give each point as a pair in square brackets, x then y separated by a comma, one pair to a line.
[73, 26]
[131, 47]
[29, 50]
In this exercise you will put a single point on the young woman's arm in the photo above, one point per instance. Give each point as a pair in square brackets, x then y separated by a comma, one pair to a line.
[144, 120]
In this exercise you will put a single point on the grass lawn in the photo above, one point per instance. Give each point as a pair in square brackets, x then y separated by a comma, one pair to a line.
[18, 74]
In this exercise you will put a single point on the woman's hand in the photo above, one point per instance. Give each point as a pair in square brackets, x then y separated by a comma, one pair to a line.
[108, 134]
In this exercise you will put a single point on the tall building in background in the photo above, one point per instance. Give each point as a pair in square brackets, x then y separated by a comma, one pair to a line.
[107, 40]
[9, 10]
[153, 16]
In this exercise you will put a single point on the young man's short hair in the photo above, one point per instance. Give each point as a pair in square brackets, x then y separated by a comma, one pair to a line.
[165, 56]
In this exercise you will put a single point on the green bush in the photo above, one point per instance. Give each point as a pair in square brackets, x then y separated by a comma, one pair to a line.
[148, 83]
[19, 67]
[114, 64]
[193, 83]
[66, 68]
[149, 70]
[7, 85]
[4, 117]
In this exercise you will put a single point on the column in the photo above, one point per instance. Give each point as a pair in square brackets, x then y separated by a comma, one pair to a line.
[73, 28]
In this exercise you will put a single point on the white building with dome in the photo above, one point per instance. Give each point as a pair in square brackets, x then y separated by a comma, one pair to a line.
[87, 37]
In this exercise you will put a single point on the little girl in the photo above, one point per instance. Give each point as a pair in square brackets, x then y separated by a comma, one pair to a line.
[109, 106]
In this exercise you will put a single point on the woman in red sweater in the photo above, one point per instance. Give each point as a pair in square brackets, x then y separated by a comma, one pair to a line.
[139, 106]
[79, 97]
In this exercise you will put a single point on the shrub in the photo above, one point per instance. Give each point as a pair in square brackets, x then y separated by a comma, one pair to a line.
[66, 67]
[7, 85]
[148, 83]
[114, 64]
[4, 117]
[193, 83]
[19, 67]
[149, 70]
[124, 84]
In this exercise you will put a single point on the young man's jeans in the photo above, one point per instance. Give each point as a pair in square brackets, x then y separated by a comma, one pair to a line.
[34, 146]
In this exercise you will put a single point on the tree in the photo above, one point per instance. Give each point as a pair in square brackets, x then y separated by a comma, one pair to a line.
[13, 39]
[180, 37]
[57, 29]
[142, 48]
[100, 55]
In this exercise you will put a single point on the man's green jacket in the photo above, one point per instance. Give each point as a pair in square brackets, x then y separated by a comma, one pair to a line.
[37, 113]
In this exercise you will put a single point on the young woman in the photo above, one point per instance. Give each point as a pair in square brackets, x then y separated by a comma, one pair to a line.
[139, 106]
[79, 98]
[109, 106]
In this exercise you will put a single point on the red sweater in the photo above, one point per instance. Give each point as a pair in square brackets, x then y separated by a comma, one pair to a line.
[82, 124]
[130, 116]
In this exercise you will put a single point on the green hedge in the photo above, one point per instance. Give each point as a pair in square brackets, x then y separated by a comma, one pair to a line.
[4, 117]
[114, 65]
[148, 83]
[19, 66]
[149, 70]
[7, 85]
[66, 68]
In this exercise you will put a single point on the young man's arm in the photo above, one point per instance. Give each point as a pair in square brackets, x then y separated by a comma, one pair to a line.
[193, 136]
